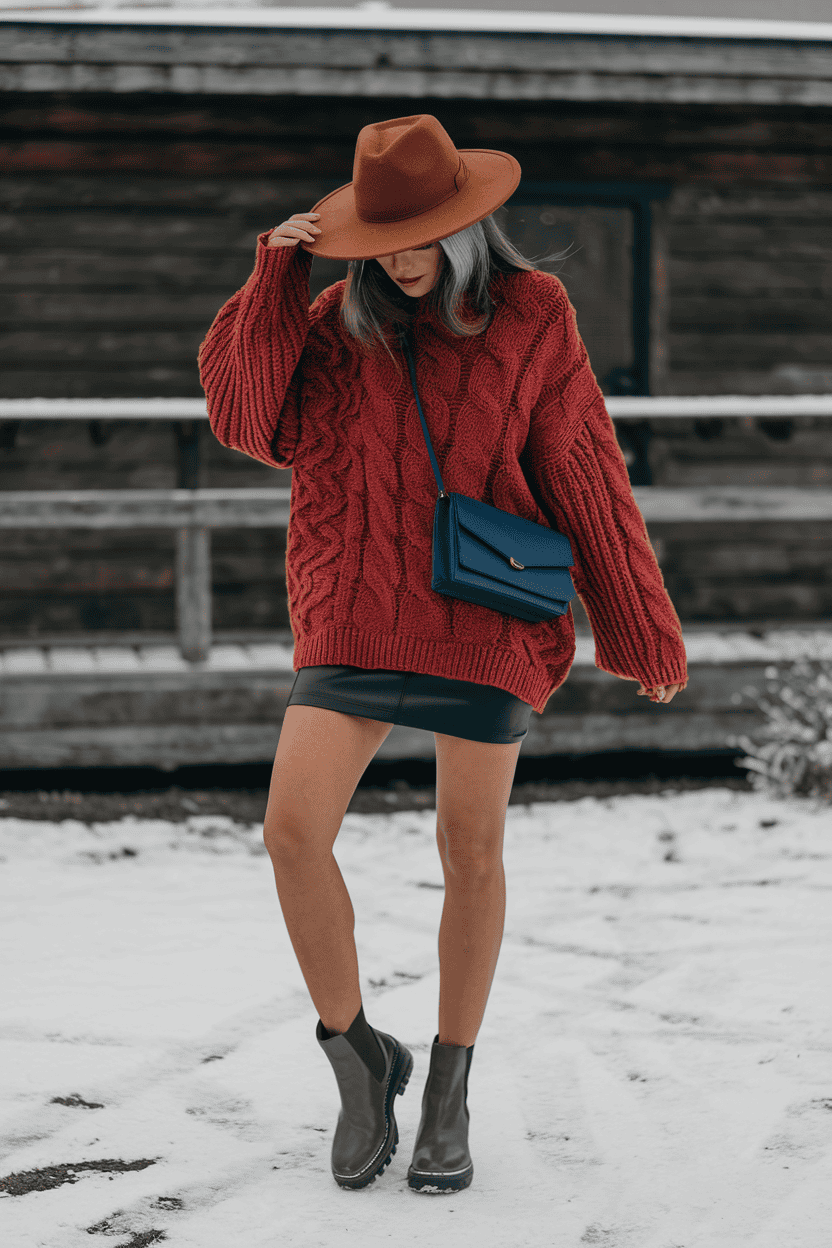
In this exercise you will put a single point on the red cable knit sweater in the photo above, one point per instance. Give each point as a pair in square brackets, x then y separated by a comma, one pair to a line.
[516, 418]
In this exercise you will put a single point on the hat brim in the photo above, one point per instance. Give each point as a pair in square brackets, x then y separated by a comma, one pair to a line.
[492, 178]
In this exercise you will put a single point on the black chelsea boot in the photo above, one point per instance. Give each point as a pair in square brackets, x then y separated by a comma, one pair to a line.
[441, 1160]
[366, 1133]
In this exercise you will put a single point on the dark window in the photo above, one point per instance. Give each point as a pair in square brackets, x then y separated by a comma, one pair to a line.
[606, 226]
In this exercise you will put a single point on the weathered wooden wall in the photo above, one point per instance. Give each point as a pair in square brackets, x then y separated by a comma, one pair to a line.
[749, 281]
[127, 221]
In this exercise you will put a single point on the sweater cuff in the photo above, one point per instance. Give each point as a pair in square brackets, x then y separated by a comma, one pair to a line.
[272, 263]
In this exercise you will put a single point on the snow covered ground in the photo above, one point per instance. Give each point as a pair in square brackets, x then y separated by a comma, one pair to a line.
[654, 1069]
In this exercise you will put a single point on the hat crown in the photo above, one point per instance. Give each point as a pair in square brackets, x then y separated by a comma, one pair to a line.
[405, 167]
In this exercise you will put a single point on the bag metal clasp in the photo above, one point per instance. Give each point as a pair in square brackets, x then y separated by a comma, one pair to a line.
[514, 564]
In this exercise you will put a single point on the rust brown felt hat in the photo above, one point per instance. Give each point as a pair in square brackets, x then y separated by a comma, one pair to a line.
[410, 187]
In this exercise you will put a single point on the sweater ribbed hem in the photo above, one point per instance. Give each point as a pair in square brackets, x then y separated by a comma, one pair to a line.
[483, 665]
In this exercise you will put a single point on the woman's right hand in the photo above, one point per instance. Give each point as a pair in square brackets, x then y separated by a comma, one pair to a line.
[300, 226]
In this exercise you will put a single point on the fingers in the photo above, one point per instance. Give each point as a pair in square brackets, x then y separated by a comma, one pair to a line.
[658, 693]
[300, 227]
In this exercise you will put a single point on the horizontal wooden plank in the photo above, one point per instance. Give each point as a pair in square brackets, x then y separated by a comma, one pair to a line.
[110, 647]
[775, 474]
[82, 575]
[157, 745]
[138, 231]
[176, 197]
[34, 468]
[62, 380]
[709, 163]
[129, 307]
[676, 534]
[746, 206]
[694, 211]
[167, 746]
[59, 572]
[763, 349]
[153, 509]
[235, 46]
[52, 347]
[448, 84]
[751, 316]
[585, 160]
[324, 131]
[765, 237]
[199, 696]
[135, 545]
[792, 278]
[96, 544]
[85, 211]
[743, 442]
[63, 267]
[260, 606]
[135, 156]
[258, 508]
[735, 561]
[43, 614]
[808, 377]
[718, 599]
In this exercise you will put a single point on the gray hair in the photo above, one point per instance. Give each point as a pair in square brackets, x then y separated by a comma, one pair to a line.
[371, 300]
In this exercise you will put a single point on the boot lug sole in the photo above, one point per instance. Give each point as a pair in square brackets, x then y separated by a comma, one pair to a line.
[439, 1184]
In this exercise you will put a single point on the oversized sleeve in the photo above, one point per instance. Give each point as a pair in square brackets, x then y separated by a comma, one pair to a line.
[249, 359]
[582, 483]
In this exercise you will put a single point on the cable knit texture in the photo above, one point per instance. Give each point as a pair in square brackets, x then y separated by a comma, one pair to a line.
[516, 418]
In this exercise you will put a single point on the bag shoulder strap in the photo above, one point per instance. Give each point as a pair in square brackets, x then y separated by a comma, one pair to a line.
[411, 365]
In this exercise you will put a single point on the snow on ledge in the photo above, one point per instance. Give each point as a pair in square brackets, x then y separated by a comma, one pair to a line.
[378, 15]
[703, 645]
[618, 406]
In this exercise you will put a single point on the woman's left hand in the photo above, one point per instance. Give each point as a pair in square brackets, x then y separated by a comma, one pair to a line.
[661, 693]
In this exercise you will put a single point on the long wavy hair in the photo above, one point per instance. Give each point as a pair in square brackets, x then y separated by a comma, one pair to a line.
[375, 310]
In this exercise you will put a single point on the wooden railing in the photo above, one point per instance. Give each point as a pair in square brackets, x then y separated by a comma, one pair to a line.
[194, 512]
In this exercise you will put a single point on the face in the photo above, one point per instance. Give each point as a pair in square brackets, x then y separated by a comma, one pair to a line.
[422, 263]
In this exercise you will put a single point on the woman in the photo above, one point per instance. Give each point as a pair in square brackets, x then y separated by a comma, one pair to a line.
[517, 420]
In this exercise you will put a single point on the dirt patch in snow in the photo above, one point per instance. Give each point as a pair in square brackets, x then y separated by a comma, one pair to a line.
[249, 805]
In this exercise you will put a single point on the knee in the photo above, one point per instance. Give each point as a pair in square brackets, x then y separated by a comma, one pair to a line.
[285, 838]
[470, 861]
[471, 874]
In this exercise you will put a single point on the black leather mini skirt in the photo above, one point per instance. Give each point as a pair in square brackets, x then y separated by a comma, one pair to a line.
[459, 708]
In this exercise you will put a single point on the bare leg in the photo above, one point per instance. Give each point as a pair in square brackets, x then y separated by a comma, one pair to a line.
[470, 937]
[320, 920]
[321, 756]
[474, 780]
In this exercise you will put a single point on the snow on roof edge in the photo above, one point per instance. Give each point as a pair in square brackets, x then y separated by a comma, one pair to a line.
[379, 17]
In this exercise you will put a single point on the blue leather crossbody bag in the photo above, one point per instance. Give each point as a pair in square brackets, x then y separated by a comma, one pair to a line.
[491, 557]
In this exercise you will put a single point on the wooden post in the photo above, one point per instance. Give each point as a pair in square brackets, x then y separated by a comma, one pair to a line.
[193, 556]
[193, 591]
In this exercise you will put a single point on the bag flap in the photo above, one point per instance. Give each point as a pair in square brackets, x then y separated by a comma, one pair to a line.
[513, 536]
